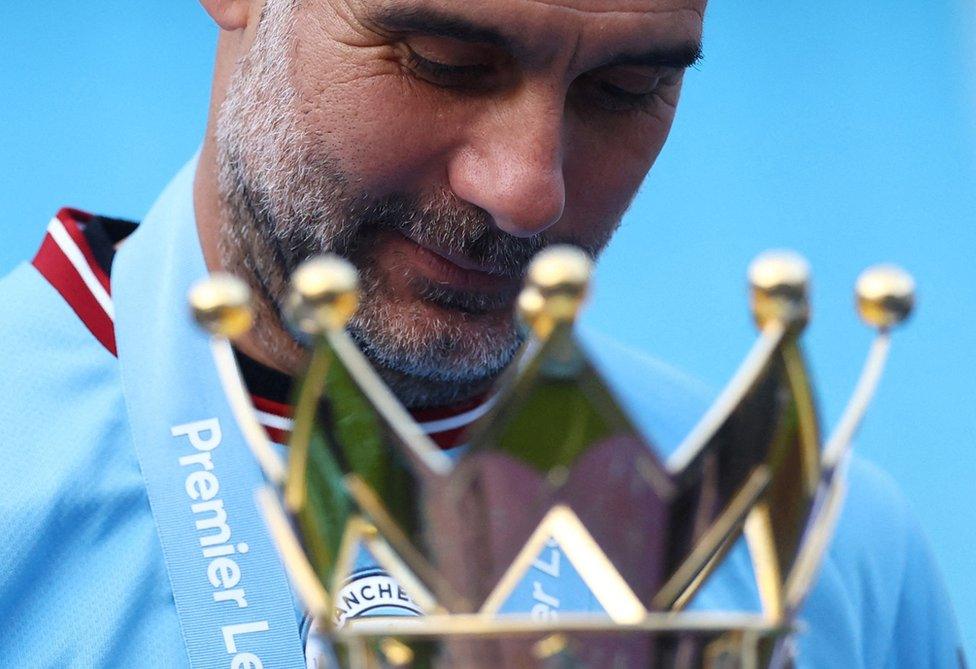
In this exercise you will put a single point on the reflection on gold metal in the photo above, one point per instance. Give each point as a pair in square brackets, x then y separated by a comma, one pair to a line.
[556, 283]
[717, 558]
[300, 441]
[551, 646]
[356, 532]
[358, 654]
[780, 288]
[591, 563]
[306, 583]
[397, 654]
[479, 625]
[839, 442]
[423, 452]
[388, 559]
[360, 533]
[801, 578]
[739, 639]
[221, 304]
[752, 465]
[885, 296]
[685, 582]
[372, 506]
[809, 432]
[325, 295]
[531, 304]
[731, 398]
[762, 548]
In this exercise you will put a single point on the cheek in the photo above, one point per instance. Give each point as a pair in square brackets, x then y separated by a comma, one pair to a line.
[369, 119]
[603, 171]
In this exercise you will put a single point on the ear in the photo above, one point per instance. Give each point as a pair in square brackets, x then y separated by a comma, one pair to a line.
[230, 15]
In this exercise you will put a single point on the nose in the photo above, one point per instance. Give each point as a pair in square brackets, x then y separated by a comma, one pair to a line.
[511, 164]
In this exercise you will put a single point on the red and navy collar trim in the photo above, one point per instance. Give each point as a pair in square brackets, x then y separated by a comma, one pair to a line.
[445, 426]
[66, 260]
[75, 257]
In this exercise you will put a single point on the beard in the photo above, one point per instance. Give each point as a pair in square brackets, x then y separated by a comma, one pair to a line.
[286, 198]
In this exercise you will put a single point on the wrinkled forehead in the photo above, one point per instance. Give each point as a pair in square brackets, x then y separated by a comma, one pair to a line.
[538, 29]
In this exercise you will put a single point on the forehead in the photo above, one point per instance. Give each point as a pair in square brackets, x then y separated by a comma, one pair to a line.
[590, 28]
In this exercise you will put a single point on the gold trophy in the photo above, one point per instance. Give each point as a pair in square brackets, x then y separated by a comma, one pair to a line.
[555, 466]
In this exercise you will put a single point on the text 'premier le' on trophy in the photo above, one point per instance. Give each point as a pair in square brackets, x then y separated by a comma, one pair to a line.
[554, 479]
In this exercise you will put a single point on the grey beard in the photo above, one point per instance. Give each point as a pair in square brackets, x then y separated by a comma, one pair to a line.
[426, 363]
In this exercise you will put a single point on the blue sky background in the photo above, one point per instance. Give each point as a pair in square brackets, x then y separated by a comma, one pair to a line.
[845, 130]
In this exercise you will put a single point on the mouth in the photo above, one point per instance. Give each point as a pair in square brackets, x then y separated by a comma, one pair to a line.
[453, 272]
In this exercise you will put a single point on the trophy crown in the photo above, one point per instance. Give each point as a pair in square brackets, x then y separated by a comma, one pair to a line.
[554, 481]
[885, 296]
[325, 294]
[221, 305]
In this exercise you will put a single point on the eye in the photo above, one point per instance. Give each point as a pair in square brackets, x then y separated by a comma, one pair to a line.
[621, 89]
[451, 63]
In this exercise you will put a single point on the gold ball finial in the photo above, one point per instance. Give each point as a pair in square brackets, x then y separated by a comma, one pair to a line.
[556, 284]
[885, 296]
[530, 305]
[221, 305]
[397, 653]
[780, 282]
[325, 294]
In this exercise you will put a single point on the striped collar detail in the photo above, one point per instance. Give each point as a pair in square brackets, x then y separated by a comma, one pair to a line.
[66, 260]
[275, 418]
[445, 426]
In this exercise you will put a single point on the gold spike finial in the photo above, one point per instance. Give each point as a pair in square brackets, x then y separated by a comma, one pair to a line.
[221, 305]
[325, 294]
[556, 285]
[885, 296]
[780, 283]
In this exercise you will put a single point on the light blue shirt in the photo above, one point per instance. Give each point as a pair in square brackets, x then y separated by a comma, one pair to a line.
[83, 582]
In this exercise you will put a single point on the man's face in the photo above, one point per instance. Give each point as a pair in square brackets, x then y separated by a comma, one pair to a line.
[439, 145]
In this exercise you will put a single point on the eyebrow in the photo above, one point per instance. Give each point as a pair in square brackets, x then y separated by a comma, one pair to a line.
[682, 56]
[429, 21]
[433, 22]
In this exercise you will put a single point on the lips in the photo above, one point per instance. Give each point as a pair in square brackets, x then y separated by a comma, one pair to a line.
[453, 271]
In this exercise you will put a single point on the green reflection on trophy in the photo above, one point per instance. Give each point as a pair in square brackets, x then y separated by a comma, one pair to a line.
[555, 464]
